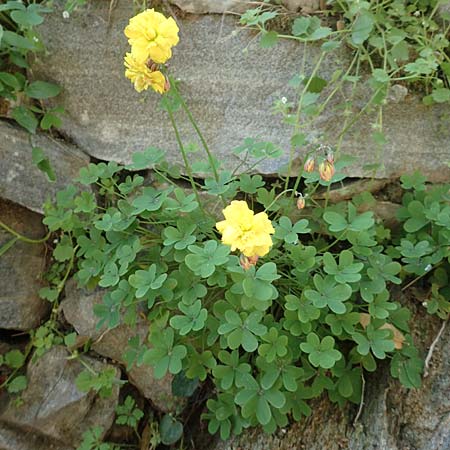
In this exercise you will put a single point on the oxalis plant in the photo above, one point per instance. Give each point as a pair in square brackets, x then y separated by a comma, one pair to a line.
[275, 296]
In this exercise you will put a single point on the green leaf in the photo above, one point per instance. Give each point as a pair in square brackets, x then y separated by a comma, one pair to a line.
[381, 76]
[17, 384]
[183, 386]
[28, 17]
[336, 221]
[250, 184]
[10, 80]
[50, 120]
[362, 27]
[204, 260]
[14, 359]
[42, 90]
[321, 353]
[16, 40]
[144, 280]
[26, 118]
[193, 319]
[43, 163]
[170, 430]
[441, 95]
[414, 181]
[64, 250]
[146, 159]
[268, 39]
[329, 294]
[49, 294]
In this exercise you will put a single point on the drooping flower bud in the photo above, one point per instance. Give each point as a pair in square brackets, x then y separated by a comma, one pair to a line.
[167, 85]
[330, 156]
[253, 259]
[301, 202]
[247, 261]
[309, 165]
[326, 170]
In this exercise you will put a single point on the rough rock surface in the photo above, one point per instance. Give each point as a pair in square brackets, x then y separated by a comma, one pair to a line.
[238, 6]
[20, 180]
[229, 88]
[212, 6]
[53, 406]
[393, 418]
[13, 437]
[20, 270]
[78, 311]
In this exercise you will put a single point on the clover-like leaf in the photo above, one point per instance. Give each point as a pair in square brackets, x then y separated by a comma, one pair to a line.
[321, 353]
[193, 319]
[165, 356]
[328, 293]
[204, 260]
[144, 280]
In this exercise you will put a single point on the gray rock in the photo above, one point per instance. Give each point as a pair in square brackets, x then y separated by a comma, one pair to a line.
[13, 437]
[54, 407]
[212, 6]
[306, 6]
[20, 180]
[78, 311]
[239, 6]
[230, 91]
[21, 268]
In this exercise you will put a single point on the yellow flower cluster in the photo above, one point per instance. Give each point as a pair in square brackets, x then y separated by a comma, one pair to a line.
[151, 36]
[246, 231]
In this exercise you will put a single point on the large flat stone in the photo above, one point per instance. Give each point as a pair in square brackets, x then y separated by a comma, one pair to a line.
[21, 269]
[78, 311]
[238, 6]
[20, 180]
[53, 406]
[230, 91]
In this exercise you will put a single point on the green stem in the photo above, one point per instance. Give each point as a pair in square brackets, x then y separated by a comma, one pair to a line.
[196, 128]
[299, 109]
[276, 198]
[24, 238]
[183, 154]
[333, 243]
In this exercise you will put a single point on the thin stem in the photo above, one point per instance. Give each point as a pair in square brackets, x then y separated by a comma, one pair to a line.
[432, 347]
[183, 153]
[361, 403]
[196, 128]
[24, 238]
[276, 198]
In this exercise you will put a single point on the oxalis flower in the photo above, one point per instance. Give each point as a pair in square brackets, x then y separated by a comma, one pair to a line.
[246, 231]
[142, 77]
[152, 36]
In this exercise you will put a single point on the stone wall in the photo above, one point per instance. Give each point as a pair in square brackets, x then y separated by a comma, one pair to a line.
[230, 83]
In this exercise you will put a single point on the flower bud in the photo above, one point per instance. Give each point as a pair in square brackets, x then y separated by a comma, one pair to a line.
[330, 156]
[309, 165]
[167, 85]
[247, 261]
[301, 201]
[326, 170]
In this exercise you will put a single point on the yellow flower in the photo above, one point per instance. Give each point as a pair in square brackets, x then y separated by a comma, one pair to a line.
[142, 77]
[244, 230]
[151, 36]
